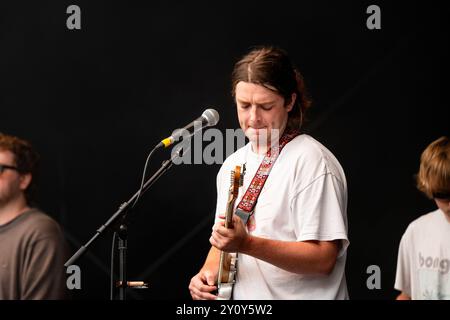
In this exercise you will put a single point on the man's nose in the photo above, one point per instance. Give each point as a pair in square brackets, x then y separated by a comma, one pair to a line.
[254, 114]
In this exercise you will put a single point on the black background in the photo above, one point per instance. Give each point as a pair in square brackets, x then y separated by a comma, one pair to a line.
[95, 101]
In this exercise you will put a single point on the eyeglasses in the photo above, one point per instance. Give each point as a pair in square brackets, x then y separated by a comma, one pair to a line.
[441, 196]
[3, 167]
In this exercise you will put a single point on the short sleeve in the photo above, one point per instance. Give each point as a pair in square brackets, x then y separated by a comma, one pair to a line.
[403, 274]
[219, 202]
[319, 211]
[44, 273]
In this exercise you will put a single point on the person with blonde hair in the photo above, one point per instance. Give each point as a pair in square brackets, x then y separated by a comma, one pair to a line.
[423, 267]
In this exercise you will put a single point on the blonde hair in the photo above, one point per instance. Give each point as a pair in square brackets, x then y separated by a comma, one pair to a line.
[434, 171]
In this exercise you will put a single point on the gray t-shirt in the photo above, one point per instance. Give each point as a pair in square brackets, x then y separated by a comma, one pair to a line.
[32, 256]
[423, 266]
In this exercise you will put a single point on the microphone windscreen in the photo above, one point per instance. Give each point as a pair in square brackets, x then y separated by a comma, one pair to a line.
[211, 116]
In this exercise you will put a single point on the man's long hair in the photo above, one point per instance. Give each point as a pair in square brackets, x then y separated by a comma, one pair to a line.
[272, 68]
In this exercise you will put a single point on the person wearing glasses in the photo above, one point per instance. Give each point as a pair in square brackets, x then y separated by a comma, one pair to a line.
[32, 246]
[423, 266]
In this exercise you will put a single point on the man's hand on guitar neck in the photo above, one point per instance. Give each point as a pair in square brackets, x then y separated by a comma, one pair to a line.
[229, 239]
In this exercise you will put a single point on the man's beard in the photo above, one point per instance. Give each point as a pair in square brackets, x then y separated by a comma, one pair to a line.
[7, 196]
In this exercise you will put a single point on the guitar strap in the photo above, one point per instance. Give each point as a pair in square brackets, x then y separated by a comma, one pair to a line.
[247, 205]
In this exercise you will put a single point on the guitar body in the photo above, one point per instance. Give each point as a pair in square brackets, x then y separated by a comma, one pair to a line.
[228, 261]
[228, 276]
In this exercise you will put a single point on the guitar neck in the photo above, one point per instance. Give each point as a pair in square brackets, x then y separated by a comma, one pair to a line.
[227, 264]
[229, 213]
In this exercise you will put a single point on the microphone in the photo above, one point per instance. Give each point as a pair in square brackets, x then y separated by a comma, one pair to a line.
[209, 118]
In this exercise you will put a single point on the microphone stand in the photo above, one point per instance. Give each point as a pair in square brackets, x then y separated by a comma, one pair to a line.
[121, 213]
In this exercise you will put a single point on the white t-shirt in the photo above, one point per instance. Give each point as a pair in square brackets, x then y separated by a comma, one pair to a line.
[304, 198]
[424, 258]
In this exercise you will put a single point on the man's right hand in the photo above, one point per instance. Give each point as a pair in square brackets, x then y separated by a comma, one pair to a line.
[202, 284]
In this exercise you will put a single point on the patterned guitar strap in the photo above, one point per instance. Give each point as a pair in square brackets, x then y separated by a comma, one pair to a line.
[247, 205]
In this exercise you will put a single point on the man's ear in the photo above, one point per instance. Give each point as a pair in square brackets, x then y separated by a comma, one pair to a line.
[25, 180]
[291, 104]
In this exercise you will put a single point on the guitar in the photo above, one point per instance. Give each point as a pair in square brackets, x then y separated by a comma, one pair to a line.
[228, 261]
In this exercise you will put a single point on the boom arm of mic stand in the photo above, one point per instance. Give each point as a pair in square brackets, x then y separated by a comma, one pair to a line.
[166, 165]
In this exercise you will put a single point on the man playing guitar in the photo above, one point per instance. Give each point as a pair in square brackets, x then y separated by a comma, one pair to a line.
[290, 227]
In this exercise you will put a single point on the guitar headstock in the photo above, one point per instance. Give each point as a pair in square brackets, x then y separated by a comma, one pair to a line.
[237, 180]
[234, 181]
